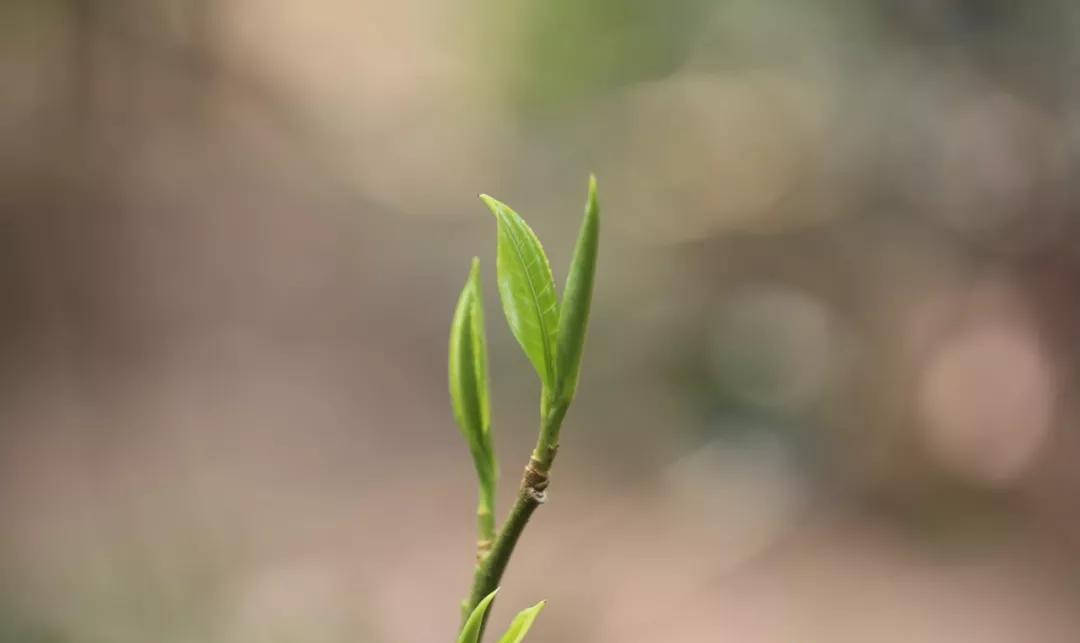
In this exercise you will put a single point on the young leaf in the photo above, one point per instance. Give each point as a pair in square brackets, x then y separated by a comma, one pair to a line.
[519, 627]
[577, 298]
[470, 633]
[527, 290]
[469, 380]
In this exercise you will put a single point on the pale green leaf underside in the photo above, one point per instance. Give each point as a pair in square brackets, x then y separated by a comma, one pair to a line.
[527, 290]
[521, 624]
[469, 380]
[577, 297]
[470, 633]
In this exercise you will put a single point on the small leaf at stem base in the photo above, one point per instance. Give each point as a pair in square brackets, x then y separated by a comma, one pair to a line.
[521, 624]
[470, 633]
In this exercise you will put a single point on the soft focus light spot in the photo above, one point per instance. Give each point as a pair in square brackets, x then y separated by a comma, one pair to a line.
[993, 156]
[398, 110]
[305, 601]
[986, 399]
[713, 153]
[774, 348]
[745, 492]
[989, 161]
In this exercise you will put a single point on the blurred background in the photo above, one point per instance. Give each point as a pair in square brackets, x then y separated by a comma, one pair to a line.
[829, 389]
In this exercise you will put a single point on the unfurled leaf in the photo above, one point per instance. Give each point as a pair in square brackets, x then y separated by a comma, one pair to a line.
[577, 298]
[469, 381]
[470, 632]
[519, 627]
[527, 290]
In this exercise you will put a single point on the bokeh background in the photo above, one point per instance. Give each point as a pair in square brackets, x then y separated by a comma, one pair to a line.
[829, 392]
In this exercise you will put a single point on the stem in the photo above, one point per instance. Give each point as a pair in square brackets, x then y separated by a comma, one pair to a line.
[485, 524]
[490, 570]
[531, 494]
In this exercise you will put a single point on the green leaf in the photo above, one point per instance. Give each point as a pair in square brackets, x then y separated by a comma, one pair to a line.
[470, 633]
[577, 298]
[527, 290]
[469, 380]
[519, 627]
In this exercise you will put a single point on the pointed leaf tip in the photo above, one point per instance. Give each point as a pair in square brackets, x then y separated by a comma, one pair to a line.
[577, 297]
[491, 202]
[522, 623]
[470, 633]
